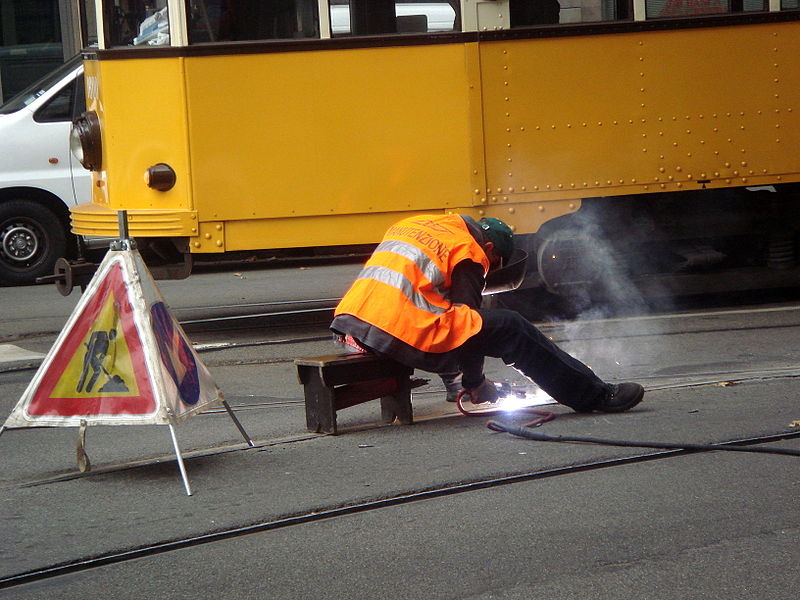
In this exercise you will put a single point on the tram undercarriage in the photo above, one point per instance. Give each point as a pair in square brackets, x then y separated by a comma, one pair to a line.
[672, 244]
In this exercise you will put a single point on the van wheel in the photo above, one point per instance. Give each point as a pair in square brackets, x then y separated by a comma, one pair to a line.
[32, 238]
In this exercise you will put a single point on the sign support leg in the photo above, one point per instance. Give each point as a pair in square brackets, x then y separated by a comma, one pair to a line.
[238, 424]
[178, 455]
[84, 464]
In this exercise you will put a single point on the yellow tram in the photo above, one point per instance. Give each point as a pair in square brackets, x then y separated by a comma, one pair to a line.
[660, 127]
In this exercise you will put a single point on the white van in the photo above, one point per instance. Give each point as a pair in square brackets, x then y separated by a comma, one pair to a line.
[412, 17]
[39, 177]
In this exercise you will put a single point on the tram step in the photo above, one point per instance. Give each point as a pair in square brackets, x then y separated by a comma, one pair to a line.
[337, 381]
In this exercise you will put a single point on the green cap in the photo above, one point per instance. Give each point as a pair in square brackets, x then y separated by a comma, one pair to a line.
[500, 235]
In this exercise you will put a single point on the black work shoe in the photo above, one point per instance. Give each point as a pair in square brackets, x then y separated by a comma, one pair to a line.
[620, 397]
[452, 384]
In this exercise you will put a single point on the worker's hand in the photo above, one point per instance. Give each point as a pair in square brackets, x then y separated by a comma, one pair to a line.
[485, 392]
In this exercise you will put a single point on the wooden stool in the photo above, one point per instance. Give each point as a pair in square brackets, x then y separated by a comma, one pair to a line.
[337, 381]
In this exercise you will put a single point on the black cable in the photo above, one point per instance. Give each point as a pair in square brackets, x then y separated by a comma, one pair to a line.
[548, 437]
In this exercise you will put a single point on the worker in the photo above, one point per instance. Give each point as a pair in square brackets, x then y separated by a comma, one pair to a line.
[418, 301]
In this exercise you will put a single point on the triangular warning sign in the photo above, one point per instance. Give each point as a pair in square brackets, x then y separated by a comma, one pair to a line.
[121, 359]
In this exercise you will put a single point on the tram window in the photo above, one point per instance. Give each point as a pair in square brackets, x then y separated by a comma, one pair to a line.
[526, 13]
[685, 8]
[245, 20]
[694, 8]
[789, 4]
[379, 17]
[88, 21]
[137, 22]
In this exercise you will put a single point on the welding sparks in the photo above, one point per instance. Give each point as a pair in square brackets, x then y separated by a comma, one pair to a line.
[512, 402]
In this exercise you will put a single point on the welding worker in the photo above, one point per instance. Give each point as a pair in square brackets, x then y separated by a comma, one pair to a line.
[418, 301]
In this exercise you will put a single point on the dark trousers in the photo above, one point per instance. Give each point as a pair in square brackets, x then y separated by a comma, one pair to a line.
[507, 335]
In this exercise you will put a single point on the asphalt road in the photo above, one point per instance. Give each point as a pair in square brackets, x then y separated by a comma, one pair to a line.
[501, 517]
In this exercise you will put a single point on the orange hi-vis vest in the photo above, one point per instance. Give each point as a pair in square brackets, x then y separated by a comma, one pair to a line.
[404, 287]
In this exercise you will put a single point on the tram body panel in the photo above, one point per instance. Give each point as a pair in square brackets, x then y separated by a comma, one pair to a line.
[142, 107]
[635, 113]
[544, 102]
[744, 76]
[339, 132]
[144, 114]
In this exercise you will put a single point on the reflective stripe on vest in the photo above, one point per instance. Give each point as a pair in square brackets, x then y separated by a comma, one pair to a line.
[419, 258]
[402, 283]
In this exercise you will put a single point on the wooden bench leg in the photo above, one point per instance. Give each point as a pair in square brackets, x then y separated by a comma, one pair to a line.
[398, 405]
[320, 414]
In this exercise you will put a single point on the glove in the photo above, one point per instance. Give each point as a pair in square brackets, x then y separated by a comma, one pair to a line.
[485, 392]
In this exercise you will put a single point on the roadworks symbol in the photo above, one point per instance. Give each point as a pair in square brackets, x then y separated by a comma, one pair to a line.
[106, 365]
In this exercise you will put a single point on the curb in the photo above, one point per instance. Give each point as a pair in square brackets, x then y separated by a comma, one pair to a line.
[14, 358]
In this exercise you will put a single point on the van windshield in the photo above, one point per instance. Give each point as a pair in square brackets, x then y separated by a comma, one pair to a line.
[36, 89]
